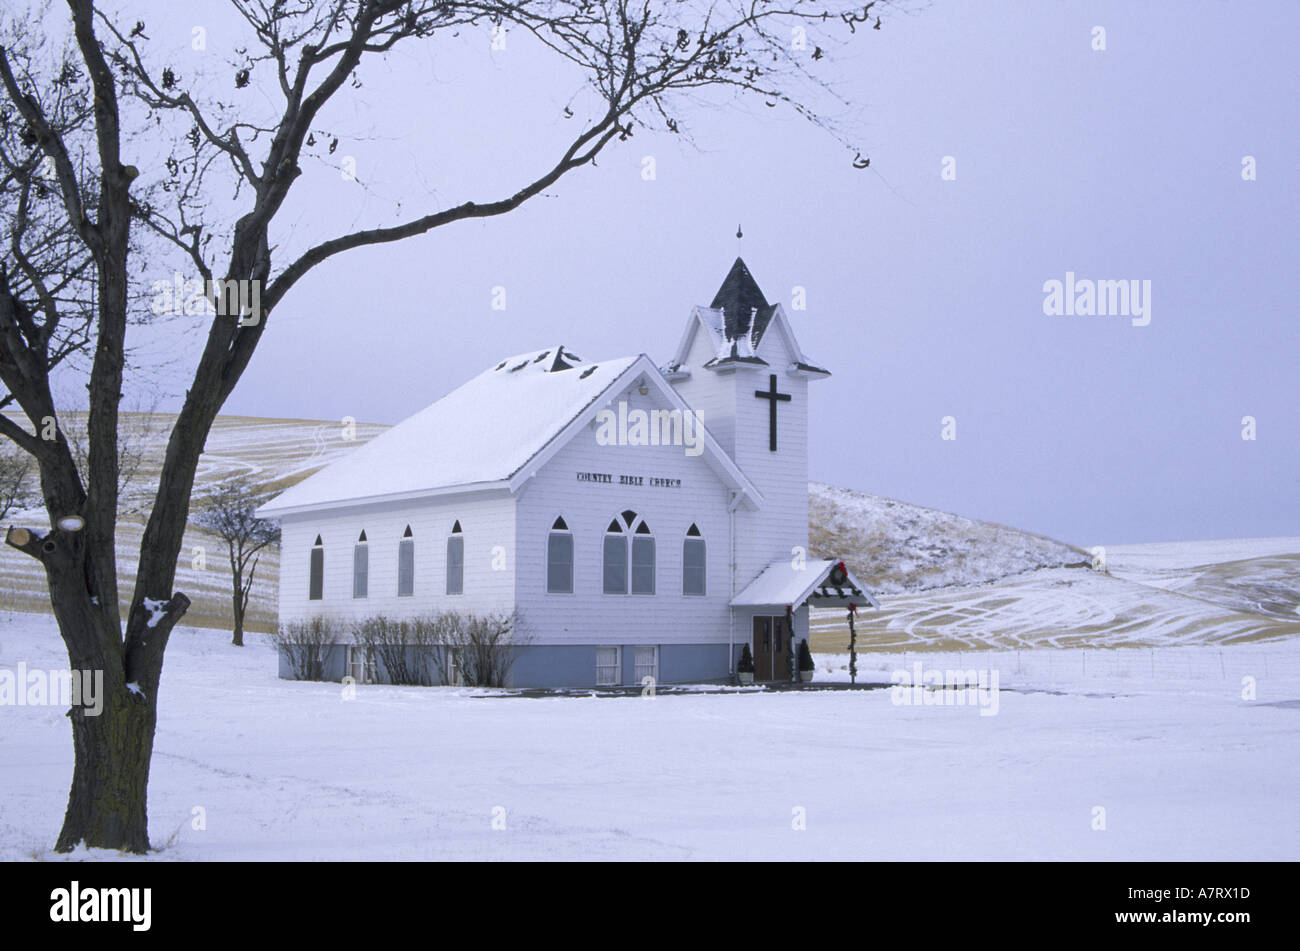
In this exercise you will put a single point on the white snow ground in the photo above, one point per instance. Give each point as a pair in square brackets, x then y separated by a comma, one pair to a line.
[1162, 740]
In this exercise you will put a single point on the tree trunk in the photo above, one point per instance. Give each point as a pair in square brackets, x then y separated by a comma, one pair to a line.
[238, 612]
[108, 802]
[108, 799]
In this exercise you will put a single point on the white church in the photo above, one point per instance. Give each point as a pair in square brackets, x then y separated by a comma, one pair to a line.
[639, 521]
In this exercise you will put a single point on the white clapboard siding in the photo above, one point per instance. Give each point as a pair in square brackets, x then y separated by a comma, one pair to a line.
[487, 521]
[588, 616]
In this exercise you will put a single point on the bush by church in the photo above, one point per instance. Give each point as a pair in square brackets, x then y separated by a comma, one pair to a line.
[440, 648]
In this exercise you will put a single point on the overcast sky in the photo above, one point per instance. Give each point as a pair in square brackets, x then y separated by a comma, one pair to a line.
[924, 295]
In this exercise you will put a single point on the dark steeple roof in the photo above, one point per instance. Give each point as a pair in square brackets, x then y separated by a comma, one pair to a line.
[745, 308]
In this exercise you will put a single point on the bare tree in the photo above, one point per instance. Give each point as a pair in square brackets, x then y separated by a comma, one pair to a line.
[15, 478]
[132, 446]
[228, 511]
[77, 207]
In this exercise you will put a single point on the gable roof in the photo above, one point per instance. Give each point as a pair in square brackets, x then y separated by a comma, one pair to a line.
[493, 432]
[781, 583]
[481, 433]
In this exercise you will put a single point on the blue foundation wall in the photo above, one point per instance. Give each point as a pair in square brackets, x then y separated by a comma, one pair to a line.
[566, 665]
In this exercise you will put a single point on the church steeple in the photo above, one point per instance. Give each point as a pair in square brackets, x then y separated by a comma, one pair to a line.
[747, 312]
[739, 366]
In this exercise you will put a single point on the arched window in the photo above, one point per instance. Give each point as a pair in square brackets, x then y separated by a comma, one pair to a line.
[456, 560]
[559, 559]
[406, 565]
[693, 562]
[643, 560]
[615, 559]
[618, 566]
[361, 567]
[316, 583]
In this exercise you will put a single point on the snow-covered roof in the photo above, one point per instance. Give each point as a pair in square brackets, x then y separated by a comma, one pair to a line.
[491, 433]
[782, 583]
[481, 433]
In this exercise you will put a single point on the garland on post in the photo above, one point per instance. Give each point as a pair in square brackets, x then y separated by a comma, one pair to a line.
[790, 656]
[853, 645]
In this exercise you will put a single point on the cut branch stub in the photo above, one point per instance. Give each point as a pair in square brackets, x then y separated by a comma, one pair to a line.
[25, 541]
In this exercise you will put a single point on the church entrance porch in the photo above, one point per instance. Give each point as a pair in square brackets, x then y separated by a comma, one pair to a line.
[779, 599]
[772, 648]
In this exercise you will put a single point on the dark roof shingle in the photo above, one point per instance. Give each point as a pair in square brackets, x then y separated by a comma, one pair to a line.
[745, 310]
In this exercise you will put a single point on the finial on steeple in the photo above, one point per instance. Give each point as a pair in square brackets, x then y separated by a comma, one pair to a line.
[739, 235]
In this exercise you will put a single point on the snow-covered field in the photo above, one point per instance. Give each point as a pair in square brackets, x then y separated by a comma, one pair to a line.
[272, 452]
[1255, 575]
[1151, 596]
[1181, 764]
[1167, 556]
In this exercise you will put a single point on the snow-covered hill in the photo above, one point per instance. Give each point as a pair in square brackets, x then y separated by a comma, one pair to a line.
[897, 546]
[273, 452]
[1156, 595]
[1254, 575]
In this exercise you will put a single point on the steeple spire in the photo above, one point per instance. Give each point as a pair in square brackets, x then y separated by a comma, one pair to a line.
[745, 308]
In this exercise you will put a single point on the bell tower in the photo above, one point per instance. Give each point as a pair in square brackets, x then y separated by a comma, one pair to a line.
[740, 367]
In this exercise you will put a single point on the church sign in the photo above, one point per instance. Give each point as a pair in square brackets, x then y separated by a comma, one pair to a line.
[609, 478]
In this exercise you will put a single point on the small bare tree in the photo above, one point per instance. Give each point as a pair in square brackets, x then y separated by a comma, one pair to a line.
[133, 444]
[15, 480]
[227, 510]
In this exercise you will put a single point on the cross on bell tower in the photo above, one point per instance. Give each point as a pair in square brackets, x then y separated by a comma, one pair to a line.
[773, 397]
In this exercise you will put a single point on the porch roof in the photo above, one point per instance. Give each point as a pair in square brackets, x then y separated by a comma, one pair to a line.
[781, 584]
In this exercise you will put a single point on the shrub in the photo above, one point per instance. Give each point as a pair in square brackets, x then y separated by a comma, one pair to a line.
[305, 643]
[428, 639]
[386, 640]
[485, 646]
[415, 651]
[805, 657]
[746, 663]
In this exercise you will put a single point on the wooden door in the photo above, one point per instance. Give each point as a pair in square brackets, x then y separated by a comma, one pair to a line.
[780, 649]
[762, 648]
